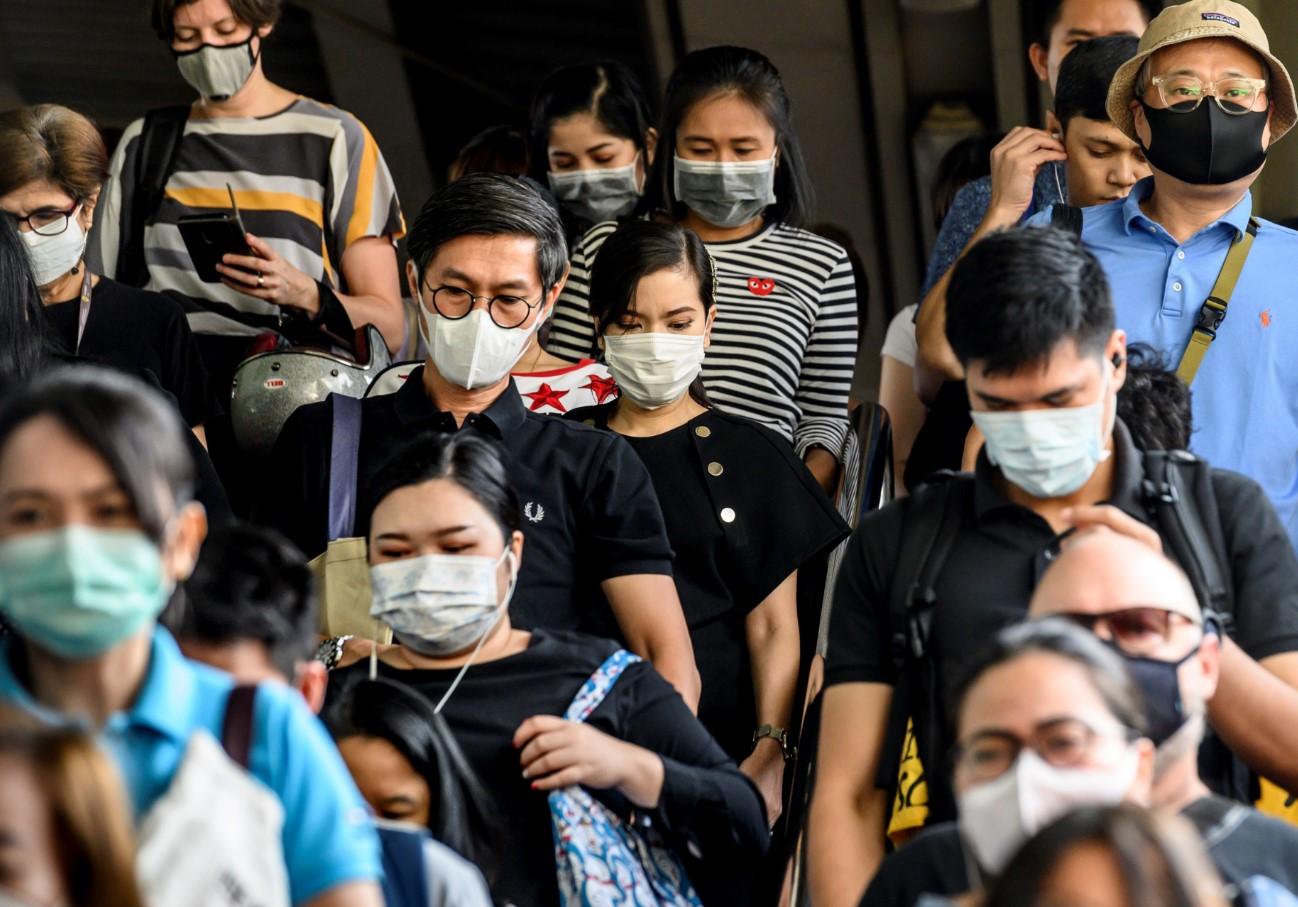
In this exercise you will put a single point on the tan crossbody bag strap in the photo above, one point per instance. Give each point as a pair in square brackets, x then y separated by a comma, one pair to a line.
[1213, 312]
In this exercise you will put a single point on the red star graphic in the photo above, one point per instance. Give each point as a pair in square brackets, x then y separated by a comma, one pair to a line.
[604, 389]
[547, 396]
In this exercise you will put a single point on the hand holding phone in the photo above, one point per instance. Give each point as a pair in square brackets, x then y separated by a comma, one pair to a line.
[211, 236]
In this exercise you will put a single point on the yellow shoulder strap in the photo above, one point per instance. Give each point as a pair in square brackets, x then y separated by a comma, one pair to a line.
[1213, 312]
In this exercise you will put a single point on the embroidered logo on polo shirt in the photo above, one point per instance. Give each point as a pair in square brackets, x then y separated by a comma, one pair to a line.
[534, 512]
[1221, 17]
[761, 286]
[1265, 317]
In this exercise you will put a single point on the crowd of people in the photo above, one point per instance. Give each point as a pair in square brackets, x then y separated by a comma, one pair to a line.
[545, 580]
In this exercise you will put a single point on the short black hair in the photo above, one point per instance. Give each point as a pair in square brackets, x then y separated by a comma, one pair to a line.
[1154, 403]
[127, 423]
[748, 74]
[251, 584]
[606, 89]
[256, 13]
[1018, 293]
[473, 461]
[636, 250]
[496, 149]
[490, 204]
[1041, 17]
[1085, 76]
[1059, 636]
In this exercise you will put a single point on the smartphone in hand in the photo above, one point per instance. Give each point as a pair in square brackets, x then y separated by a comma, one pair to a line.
[211, 236]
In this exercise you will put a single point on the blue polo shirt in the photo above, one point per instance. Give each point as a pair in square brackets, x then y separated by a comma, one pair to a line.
[328, 836]
[1246, 391]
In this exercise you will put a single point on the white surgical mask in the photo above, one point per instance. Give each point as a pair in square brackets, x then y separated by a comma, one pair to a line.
[725, 193]
[216, 73]
[997, 817]
[53, 256]
[473, 351]
[1048, 453]
[598, 194]
[654, 369]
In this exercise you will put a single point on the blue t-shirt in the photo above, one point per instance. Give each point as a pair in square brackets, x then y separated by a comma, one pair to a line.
[1245, 405]
[328, 837]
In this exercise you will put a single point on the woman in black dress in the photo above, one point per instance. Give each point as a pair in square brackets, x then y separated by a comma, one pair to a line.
[743, 513]
[445, 548]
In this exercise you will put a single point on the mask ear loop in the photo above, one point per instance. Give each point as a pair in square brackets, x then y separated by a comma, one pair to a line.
[503, 608]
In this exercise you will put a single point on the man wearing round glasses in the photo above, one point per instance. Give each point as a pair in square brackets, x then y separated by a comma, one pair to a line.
[1205, 98]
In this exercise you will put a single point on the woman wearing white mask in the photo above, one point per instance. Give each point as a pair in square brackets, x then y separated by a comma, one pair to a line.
[731, 169]
[742, 513]
[445, 548]
[1048, 720]
[53, 164]
[311, 186]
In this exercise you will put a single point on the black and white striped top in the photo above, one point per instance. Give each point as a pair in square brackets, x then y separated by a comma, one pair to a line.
[309, 180]
[784, 342]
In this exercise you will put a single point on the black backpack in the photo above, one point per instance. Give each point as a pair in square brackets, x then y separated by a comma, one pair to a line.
[1179, 498]
[154, 161]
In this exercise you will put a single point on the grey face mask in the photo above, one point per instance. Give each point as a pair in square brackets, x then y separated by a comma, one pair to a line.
[725, 193]
[216, 73]
[599, 194]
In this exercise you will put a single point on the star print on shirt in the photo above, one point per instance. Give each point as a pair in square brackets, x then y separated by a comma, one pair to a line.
[604, 389]
[547, 396]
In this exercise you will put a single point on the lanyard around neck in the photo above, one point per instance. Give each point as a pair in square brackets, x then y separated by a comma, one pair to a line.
[83, 310]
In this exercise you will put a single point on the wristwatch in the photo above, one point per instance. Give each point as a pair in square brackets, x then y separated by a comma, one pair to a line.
[331, 651]
[779, 735]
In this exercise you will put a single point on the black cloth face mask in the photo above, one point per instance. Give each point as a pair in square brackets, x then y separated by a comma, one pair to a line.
[1206, 147]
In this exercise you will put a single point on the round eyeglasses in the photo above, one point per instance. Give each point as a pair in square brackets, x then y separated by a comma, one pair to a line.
[1235, 95]
[46, 222]
[454, 303]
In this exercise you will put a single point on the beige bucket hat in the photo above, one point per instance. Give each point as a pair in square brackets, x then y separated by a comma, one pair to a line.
[1192, 21]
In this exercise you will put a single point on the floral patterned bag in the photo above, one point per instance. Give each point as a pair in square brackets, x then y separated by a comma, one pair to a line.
[601, 859]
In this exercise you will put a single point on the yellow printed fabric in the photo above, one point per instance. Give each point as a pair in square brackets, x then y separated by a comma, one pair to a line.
[910, 806]
[309, 180]
[1278, 803]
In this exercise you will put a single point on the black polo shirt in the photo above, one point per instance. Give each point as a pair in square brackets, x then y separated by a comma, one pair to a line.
[589, 508]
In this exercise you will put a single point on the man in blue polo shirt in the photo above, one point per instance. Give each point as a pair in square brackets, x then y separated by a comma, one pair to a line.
[1205, 98]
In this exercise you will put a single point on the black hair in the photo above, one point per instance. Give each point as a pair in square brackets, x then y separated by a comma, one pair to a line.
[252, 584]
[461, 813]
[1085, 76]
[471, 460]
[127, 423]
[965, 161]
[1018, 293]
[1154, 403]
[490, 204]
[496, 149]
[1060, 637]
[637, 249]
[733, 70]
[605, 89]
[1041, 17]
[1160, 858]
[27, 344]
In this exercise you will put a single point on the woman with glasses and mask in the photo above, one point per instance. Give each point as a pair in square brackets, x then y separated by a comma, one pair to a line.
[311, 186]
[97, 527]
[742, 513]
[730, 168]
[53, 164]
[445, 549]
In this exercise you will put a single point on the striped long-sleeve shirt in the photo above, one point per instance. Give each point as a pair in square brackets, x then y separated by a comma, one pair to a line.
[309, 180]
[784, 342]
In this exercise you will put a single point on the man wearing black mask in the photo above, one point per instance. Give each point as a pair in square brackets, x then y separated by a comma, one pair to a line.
[1205, 98]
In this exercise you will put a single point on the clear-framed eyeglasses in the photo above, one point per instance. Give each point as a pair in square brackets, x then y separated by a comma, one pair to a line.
[1235, 95]
[454, 303]
[46, 222]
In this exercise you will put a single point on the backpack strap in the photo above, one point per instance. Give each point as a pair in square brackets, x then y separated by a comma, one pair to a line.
[344, 464]
[1179, 494]
[597, 686]
[1213, 311]
[159, 142]
[1067, 217]
[236, 726]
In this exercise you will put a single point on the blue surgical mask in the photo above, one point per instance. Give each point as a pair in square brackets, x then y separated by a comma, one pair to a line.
[600, 193]
[725, 193]
[1049, 453]
[78, 591]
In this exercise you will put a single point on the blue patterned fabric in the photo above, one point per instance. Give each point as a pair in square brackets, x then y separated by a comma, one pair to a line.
[601, 859]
